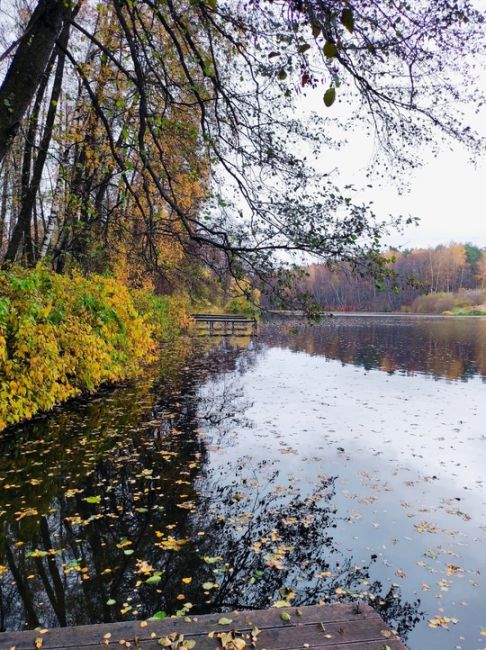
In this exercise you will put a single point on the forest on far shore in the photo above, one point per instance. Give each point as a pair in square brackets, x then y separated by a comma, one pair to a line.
[426, 280]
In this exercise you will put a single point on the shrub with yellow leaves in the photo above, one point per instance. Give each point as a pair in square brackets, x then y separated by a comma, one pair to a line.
[61, 335]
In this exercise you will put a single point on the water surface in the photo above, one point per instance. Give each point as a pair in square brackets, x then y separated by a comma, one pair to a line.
[343, 461]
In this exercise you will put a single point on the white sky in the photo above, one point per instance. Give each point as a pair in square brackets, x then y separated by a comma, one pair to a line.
[447, 193]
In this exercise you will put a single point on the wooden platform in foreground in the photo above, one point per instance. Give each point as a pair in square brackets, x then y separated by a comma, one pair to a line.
[330, 627]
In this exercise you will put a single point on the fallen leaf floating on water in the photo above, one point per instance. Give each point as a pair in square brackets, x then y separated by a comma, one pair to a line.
[154, 580]
[37, 553]
[28, 512]
[94, 499]
[212, 560]
[124, 542]
[144, 567]
[172, 544]
[442, 621]
[452, 569]
[426, 527]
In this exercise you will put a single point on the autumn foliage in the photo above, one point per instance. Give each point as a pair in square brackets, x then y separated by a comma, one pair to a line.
[452, 276]
[61, 335]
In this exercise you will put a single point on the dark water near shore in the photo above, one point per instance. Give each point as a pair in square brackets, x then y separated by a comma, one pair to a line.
[342, 461]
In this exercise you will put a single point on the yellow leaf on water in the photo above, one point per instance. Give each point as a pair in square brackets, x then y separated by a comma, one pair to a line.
[173, 544]
[452, 569]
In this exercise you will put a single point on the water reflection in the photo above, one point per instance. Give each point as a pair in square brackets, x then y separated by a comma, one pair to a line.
[454, 348]
[275, 544]
[110, 510]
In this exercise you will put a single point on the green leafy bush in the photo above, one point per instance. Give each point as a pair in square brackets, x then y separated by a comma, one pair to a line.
[61, 335]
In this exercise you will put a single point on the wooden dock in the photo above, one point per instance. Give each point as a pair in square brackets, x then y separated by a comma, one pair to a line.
[225, 324]
[326, 627]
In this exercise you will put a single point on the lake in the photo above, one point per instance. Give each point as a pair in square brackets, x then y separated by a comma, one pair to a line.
[314, 463]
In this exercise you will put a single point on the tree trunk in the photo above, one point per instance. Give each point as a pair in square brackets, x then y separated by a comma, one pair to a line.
[28, 65]
[22, 226]
[3, 208]
[53, 218]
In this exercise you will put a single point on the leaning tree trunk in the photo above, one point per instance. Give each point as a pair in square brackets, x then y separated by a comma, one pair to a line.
[28, 65]
[22, 227]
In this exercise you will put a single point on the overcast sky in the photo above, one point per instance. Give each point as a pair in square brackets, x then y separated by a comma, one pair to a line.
[448, 193]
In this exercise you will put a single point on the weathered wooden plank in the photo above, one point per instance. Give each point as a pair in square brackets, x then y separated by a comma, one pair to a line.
[325, 635]
[382, 644]
[341, 624]
[243, 620]
[346, 634]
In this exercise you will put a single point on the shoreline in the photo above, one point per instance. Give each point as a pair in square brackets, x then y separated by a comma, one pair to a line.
[372, 314]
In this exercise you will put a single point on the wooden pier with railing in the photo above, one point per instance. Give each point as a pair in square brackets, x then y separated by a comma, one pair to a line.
[225, 324]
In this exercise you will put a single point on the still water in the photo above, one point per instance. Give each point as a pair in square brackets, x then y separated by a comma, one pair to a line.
[324, 463]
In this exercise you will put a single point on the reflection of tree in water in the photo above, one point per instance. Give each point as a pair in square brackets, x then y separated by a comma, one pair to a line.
[275, 544]
[115, 514]
[59, 559]
[451, 348]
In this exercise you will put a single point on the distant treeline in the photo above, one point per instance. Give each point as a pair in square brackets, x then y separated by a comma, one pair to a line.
[433, 280]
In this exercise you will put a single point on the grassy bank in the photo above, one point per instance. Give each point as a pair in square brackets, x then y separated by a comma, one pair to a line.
[467, 312]
[467, 302]
[61, 335]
